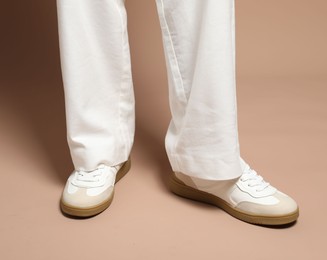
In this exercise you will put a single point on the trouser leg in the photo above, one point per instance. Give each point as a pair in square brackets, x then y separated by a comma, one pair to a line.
[96, 70]
[199, 45]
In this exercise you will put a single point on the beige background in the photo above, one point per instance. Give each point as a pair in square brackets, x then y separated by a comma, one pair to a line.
[282, 93]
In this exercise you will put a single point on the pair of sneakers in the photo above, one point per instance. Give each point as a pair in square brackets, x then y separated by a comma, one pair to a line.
[248, 198]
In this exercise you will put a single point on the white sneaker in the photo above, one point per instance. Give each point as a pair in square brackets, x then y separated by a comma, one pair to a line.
[89, 193]
[248, 198]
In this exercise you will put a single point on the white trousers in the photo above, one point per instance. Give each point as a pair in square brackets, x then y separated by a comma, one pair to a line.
[199, 46]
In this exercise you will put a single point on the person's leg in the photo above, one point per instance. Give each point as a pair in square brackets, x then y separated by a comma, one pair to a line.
[202, 139]
[99, 98]
[96, 70]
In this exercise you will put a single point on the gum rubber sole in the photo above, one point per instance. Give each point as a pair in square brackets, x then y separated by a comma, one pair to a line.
[92, 211]
[179, 188]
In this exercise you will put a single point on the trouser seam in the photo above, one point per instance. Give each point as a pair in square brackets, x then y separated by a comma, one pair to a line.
[121, 125]
[171, 52]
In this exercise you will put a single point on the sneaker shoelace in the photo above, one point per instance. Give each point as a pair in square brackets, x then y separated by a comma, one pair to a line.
[89, 179]
[253, 179]
[93, 176]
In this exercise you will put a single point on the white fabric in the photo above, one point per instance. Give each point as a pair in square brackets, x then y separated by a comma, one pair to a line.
[199, 46]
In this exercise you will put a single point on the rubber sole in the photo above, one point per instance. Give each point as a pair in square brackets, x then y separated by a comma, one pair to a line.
[92, 211]
[180, 189]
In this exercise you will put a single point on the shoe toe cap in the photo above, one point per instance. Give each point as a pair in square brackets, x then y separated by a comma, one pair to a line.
[285, 206]
[80, 198]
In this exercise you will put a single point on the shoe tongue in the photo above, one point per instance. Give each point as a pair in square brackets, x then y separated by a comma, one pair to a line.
[101, 166]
